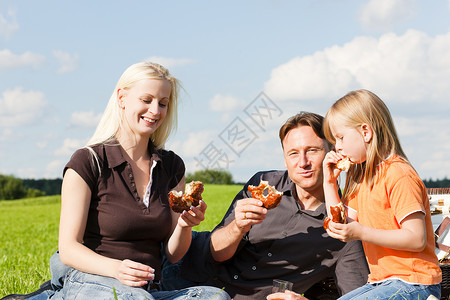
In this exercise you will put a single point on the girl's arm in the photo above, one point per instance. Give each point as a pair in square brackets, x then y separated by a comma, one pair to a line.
[182, 224]
[75, 201]
[330, 188]
[410, 237]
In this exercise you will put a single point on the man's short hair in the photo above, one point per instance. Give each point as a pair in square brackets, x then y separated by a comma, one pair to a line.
[304, 118]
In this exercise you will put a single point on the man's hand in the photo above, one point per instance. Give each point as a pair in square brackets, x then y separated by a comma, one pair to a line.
[249, 212]
[225, 240]
[287, 295]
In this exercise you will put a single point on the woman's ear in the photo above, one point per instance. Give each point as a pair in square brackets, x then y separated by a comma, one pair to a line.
[120, 96]
[366, 132]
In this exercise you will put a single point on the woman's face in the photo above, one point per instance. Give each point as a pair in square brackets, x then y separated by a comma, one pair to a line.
[350, 142]
[145, 105]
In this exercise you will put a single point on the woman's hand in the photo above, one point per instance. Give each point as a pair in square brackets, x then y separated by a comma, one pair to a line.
[194, 216]
[287, 295]
[132, 273]
[345, 232]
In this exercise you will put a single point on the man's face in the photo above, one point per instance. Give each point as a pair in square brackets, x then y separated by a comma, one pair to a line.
[304, 152]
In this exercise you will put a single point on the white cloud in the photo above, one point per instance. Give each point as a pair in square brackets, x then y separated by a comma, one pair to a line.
[18, 107]
[9, 60]
[85, 119]
[170, 62]
[28, 173]
[51, 171]
[6, 134]
[194, 143]
[382, 14]
[55, 168]
[69, 62]
[222, 103]
[406, 68]
[410, 72]
[8, 27]
[42, 144]
[425, 141]
[69, 146]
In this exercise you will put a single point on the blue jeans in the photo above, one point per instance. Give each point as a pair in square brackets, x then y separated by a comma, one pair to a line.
[58, 272]
[393, 289]
[69, 283]
[80, 285]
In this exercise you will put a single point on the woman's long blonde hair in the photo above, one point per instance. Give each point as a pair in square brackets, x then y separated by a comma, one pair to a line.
[112, 119]
[352, 110]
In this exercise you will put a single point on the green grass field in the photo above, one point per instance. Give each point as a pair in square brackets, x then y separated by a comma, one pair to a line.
[29, 235]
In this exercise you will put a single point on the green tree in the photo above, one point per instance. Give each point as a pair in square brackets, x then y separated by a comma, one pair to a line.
[33, 193]
[212, 176]
[11, 188]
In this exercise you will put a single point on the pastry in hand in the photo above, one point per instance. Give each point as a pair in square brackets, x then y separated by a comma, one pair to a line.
[272, 197]
[191, 197]
[337, 215]
[344, 164]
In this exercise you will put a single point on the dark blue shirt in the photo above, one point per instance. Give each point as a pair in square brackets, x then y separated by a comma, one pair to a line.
[290, 244]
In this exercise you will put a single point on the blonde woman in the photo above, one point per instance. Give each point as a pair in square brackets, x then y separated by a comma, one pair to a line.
[387, 203]
[115, 213]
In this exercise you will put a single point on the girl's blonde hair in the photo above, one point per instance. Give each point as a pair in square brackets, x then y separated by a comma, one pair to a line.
[352, 110]
[112, 119]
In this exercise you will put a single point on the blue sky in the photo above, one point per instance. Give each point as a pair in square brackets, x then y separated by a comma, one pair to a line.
[245, 66]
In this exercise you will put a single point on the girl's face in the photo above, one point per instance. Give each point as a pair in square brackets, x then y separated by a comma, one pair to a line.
[145, 105]
[352, 142]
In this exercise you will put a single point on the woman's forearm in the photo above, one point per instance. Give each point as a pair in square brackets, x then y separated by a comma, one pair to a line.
[83, 259]
[178, 243]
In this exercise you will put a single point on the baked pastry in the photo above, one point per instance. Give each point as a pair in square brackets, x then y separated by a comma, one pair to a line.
[344, 164]
[337, 215]
[271, 199]
[191, 197]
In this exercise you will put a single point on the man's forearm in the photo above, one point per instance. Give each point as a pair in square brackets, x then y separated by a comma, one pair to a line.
[225, 241]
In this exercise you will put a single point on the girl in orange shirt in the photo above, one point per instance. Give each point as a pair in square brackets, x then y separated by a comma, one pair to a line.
[385, 200]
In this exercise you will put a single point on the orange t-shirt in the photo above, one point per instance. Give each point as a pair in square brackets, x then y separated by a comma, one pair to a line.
[397, 192]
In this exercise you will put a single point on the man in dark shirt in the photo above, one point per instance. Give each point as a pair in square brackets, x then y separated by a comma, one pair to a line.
[252, 245]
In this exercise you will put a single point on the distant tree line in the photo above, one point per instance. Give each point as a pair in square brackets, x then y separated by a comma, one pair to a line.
[440, 183]
[16, 188]
[48, 186]
[211, 176]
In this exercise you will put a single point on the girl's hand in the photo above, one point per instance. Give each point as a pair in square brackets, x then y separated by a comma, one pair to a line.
[287, 295]
[330, 171]
[345, 232]
[194, 216]
[132, 273]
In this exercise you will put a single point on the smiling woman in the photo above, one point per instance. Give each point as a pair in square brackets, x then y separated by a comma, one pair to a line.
[144, 106]
[156, 76]
[115, 213]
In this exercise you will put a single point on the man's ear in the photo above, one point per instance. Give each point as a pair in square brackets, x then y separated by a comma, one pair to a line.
[120, 96]
[366, 132]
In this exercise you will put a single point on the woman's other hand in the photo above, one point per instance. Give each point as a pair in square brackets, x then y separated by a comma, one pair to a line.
[132, 273]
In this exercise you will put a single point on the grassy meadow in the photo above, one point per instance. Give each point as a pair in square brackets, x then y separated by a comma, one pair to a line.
[29, 235]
